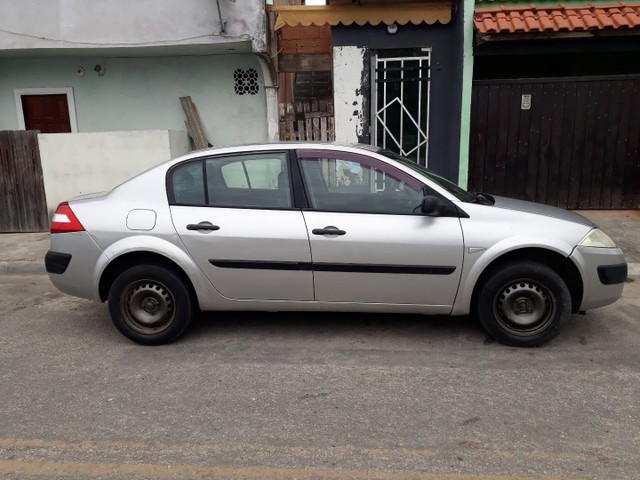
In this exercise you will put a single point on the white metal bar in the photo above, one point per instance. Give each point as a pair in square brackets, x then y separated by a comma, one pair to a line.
[401, 110]
[374, 101]
[419, 104]
[384, 98]
[426, 156]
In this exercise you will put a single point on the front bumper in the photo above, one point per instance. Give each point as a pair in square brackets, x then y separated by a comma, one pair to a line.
[604, 271]
[612, 274]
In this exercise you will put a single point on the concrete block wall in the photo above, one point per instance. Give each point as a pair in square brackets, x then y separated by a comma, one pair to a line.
[81, 163]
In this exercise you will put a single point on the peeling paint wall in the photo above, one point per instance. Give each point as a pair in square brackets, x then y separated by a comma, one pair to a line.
[350, 102]
[271, 99]
[354, 44]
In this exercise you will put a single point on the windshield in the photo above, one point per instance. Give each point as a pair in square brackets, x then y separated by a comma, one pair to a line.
[452, 188]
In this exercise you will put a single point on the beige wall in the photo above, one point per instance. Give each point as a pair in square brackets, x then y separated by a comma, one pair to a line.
[80, 163]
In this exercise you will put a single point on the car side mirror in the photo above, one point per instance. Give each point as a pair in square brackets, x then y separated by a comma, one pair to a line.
[433, 206]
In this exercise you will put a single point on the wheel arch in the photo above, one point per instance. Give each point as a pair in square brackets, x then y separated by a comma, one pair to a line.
[136, 249]
[133, 258]
[561, 264]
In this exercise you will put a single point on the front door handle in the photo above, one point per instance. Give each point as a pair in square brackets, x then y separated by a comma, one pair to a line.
[330, 230]
[204, 226]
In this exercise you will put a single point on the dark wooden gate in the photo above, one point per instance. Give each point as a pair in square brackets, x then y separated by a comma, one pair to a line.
[23, 206]
[569, 142]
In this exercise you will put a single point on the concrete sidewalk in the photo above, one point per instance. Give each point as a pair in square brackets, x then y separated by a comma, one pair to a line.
[24, 252]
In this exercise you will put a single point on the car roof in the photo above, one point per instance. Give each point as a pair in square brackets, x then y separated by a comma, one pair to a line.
[253, 147]
[276, 146]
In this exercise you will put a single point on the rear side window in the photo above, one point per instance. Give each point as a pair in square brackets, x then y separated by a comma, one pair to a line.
[187, 183]
[256, 180]
[242, 181]
[253, 173]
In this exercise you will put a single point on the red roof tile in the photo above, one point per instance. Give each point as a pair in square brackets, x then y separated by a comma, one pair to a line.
[557, 18]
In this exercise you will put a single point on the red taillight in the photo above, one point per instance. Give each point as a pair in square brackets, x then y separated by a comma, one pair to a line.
[64, 220]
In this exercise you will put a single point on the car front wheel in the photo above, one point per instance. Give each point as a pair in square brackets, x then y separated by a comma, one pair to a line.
[523, 304]
[150, 304]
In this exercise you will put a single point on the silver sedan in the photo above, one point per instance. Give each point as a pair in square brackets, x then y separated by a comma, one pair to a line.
[326, 227]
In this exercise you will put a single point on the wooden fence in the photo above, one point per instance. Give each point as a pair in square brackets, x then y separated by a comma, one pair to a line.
[307, 121]
[23, 207]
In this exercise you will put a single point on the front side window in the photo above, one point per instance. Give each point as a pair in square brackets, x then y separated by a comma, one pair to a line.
[449, 186]
[356, 183]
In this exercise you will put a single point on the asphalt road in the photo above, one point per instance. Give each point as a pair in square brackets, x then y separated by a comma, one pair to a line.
[312, 396]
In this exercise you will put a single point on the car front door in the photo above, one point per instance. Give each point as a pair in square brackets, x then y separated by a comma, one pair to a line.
[370, 242]
[235, 216]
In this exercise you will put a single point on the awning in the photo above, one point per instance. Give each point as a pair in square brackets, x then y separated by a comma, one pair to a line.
[416, 13]
[556, 18]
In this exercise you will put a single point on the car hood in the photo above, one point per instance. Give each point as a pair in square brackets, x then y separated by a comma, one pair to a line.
[540, 209]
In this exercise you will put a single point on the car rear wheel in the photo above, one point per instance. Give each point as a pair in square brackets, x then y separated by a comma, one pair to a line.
[523, 304]
[150, 304]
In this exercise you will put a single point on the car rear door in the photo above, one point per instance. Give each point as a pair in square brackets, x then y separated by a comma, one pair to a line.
[369, 241]
[235, 216]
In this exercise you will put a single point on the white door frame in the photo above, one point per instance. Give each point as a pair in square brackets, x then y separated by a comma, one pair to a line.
[68, 91]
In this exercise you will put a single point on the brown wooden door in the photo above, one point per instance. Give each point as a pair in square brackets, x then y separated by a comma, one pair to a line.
[569, 142]
[47, 113]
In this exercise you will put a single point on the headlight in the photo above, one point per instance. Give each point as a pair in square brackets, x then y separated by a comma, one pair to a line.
[597, 238]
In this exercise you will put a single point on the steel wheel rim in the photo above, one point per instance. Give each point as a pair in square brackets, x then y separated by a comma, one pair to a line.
[524, 307]
[147, 306]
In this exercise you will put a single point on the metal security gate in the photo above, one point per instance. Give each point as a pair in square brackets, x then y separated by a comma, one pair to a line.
[400, 102]
[23, 207]
[571, 142]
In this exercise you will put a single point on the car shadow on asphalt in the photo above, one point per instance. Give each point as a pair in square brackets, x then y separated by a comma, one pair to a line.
[403, 330]
[313, 325]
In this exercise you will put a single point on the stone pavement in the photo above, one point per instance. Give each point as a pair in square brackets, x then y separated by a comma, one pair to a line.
[24, 252]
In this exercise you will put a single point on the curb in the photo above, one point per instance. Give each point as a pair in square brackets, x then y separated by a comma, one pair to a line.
[24, 267]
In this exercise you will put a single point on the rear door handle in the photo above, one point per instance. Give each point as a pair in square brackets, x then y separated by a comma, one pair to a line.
[204, 226]
[330, 230]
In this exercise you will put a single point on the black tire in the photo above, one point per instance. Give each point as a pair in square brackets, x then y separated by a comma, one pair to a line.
[523, 304]
[151, 304]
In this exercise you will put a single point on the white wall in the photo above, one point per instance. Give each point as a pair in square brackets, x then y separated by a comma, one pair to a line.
[36, 24]
[348, 65]
[179, 143]
[79, 163]
[143, 93]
